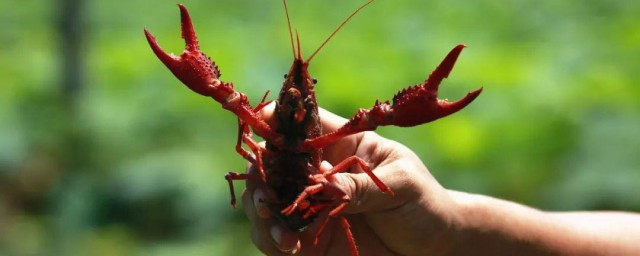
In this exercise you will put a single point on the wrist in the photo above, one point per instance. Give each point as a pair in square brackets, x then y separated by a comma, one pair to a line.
[490, 226]
[451, 223]
[462, 225]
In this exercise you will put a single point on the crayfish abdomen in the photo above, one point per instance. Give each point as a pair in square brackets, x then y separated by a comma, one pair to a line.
[288, 178]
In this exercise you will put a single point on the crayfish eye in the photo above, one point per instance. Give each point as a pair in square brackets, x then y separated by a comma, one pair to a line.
[315, 81]
[285, 76]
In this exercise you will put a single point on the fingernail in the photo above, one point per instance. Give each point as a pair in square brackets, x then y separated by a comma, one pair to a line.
[296, 249]
[258, 201]
[325, 166]
[276, 234]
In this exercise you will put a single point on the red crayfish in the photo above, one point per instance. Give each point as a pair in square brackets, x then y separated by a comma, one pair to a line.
[290, 162]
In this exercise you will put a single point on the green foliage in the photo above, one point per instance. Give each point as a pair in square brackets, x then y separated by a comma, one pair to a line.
[134, 164]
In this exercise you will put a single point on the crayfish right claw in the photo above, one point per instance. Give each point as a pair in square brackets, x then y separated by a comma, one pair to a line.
[192, 67]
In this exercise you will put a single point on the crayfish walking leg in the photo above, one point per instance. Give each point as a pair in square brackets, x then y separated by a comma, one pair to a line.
[254, 157]
[320, 183]
[342, 166]
[245, 135]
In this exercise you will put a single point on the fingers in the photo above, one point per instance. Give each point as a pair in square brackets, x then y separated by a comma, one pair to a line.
[270, 237]
[267, 244]
[266, 247]
[366, 196]
[285, 241]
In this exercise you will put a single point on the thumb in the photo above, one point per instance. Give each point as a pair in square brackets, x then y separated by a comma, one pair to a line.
[366, 196]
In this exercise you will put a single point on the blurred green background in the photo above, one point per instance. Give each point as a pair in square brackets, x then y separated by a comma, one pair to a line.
[104, 152]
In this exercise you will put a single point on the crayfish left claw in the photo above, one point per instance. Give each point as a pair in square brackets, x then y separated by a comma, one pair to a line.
[188, 33]
[420, 104]
[411, 106]
[442, 71]
[192, 67]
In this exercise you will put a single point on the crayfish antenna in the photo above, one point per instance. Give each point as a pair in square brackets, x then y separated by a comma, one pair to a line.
[286, 11]
[338, 29]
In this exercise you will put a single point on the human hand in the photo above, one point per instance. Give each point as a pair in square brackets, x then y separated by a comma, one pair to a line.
[416, 221]
[423, 218]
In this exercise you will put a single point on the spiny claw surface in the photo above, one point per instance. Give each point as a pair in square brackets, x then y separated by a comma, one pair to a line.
[420, 104]
[411, 106]
[192, 67]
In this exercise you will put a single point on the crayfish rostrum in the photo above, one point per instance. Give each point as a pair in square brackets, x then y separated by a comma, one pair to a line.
[290, 162]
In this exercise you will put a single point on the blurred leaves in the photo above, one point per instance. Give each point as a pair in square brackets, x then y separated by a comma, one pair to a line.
[134, 166]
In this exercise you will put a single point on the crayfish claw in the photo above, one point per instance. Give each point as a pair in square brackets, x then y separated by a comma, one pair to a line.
[192, 67]
[188, 33]
[447, 108]
[169, 60]
[411, 106]
[443, 70]
[423, 98]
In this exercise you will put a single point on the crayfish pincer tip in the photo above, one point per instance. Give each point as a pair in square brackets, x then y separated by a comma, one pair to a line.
[183, 9]
[150, 38]
[444, 69]
[167, 59]
[477, 92]
[188, 33]
[466, 100]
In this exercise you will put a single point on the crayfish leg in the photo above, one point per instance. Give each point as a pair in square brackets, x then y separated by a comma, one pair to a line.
[255, 156]
[243, 130]
[313, 210]
[310, 190]
[347, 231]
[230, 177]
[335, 212]
[345, 164]
[344, 201]
[245, 135]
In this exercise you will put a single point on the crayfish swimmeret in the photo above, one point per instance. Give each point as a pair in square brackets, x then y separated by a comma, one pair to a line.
[290, 162]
